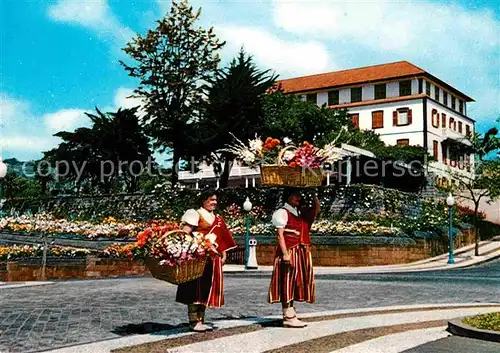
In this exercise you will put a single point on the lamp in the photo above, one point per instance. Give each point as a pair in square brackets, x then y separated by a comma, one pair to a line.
[247, 206]
[450, 201]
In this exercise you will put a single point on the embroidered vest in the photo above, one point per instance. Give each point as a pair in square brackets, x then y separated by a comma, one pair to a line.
[296, 231]
[224, 239]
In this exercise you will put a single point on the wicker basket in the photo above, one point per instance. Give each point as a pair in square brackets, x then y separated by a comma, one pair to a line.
[186, 272]
[282, 175]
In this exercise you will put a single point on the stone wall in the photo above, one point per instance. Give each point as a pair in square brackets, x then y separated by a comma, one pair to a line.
[366, 251]
[90, 267]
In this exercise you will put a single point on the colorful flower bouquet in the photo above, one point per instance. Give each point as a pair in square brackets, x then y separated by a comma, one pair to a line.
[173, 255]
[284, 164]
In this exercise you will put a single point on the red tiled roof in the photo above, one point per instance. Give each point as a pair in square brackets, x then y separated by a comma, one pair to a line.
[357, 76]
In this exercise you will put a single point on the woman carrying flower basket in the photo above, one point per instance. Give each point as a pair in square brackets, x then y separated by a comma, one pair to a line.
[207, 290]
[293, 277]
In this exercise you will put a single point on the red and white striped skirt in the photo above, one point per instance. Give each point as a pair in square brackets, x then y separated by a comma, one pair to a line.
[294, 281]
[207, 290]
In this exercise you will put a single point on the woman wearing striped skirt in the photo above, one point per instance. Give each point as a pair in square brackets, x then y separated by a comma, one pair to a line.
[293, 277]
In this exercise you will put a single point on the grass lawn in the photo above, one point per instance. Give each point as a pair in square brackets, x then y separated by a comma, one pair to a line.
[490, 321]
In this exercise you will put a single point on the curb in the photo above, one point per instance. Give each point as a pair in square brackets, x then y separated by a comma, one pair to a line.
[458, 328]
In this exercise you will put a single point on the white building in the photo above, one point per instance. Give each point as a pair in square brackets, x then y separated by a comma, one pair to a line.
[404, 104]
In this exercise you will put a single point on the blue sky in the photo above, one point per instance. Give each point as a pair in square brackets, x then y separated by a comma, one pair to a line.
[60, 58]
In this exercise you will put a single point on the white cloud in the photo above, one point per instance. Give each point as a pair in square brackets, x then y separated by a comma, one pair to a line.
[273, 52]
[92, 14]
[27, 143]
[66, 120]
[458, 45]
[124, 100]
[394, 26]
[25, 134]
[9, 108]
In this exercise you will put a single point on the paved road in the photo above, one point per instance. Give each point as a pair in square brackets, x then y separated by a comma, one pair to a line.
[75, 312]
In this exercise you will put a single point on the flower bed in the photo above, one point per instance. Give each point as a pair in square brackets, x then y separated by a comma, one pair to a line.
[365, 228]
[13, 252]
[46, 223]
[490, 321]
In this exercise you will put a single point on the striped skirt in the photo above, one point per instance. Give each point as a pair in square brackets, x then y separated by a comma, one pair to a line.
[294, 281]
[207, 290]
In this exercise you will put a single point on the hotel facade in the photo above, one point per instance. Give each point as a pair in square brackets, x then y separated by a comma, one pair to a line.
[402, 103]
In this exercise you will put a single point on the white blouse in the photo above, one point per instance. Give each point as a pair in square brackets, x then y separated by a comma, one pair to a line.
[192, 216]
[280, 217]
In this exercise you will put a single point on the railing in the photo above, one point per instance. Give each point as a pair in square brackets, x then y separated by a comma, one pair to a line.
[209, 173]
[236, 256]
[455, 135]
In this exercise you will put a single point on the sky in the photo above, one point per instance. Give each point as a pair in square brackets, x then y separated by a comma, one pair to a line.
[60, 58]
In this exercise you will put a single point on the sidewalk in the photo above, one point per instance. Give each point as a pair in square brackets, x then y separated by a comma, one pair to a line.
[464, 257]
[366, 330]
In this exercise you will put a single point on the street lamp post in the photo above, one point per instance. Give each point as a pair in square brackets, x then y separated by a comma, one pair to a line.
[3, 173]
[450, 201]
[247, 206]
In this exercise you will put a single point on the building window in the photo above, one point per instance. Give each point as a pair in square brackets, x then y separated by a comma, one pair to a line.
[453, 124]
[445, 98]
[460, 127]
[333, 97]
[378, 119]
[467, 130]
[312, 97]
[420, 85]
[435, 150]
[355, 120]
[452, 102]
[436, 93]
[402, 117]
[444, 155]
[443, 121]
[380, 91]
[435, 118]
[403, 142]
[461, 106]
[428, 88]
[404, 88]
[356, 95]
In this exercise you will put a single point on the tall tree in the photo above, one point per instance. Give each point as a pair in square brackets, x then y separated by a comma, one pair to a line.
[172, 62]
[235, 99]
[289, 116]
[114, 148]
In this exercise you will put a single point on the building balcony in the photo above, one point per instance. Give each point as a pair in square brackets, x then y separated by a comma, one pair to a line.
[208, 173]
[449, 134]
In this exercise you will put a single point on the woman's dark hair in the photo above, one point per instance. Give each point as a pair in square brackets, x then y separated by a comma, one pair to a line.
[206, 194]
[287, 192]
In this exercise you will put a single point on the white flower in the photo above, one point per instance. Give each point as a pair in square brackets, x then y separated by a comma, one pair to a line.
[211, 237]
[286, 141]
[288, 155]
[255, 144]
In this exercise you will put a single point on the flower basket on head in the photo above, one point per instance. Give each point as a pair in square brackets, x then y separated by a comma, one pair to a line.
[286, 165]
[175, 256]
[287, 172]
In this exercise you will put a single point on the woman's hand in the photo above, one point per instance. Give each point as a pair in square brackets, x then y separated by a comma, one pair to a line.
[224, 257]
[286, 258]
